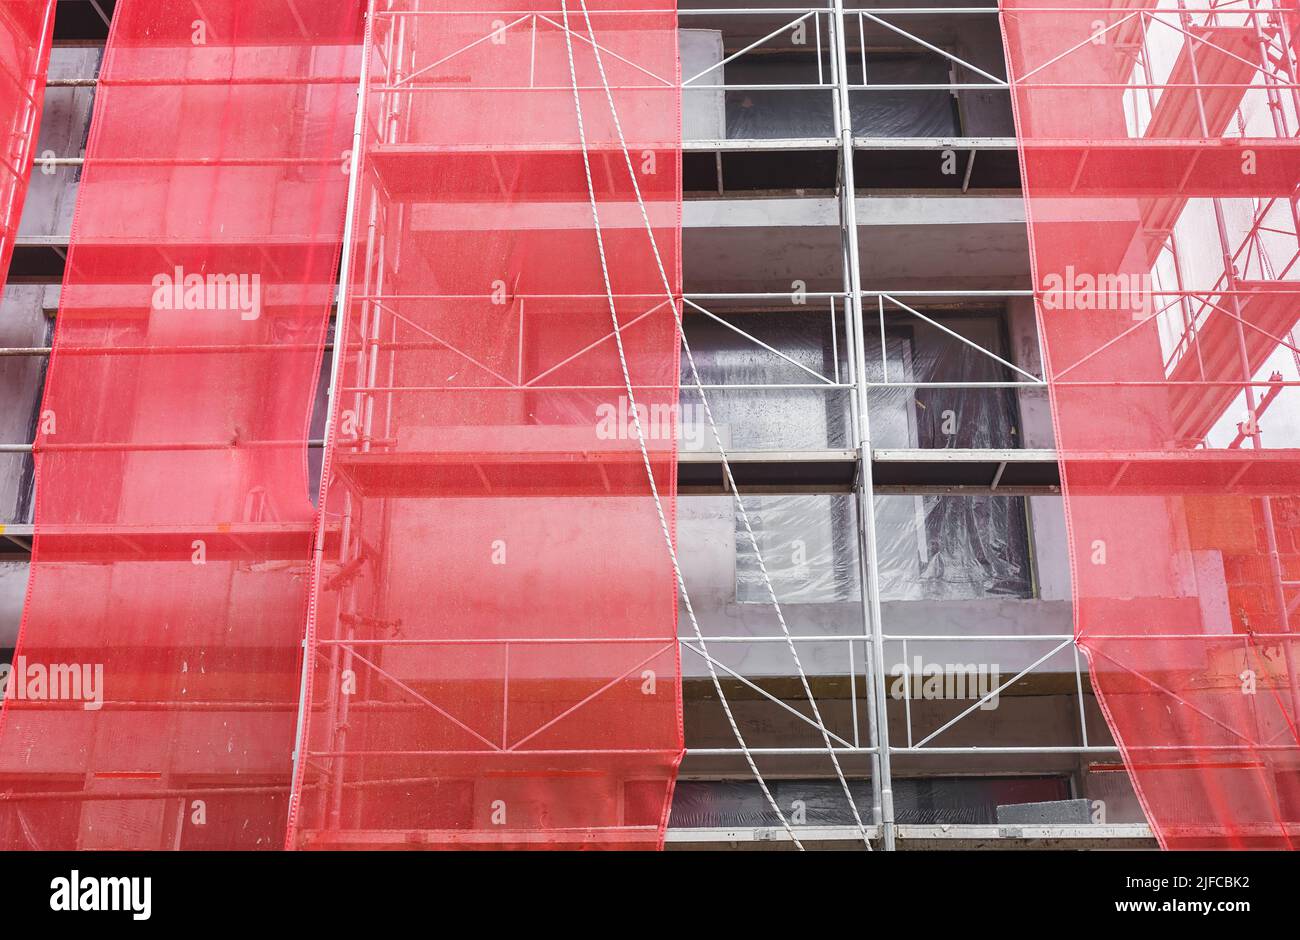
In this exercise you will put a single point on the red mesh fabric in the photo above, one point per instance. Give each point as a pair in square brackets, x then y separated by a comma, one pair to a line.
[173, 520]
[25, 30]
[1160, 168]
[494, 639]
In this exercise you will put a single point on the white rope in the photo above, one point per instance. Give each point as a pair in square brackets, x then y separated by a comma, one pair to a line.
[636, 420]
[713, 426]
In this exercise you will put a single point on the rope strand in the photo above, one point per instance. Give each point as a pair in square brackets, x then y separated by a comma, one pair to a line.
[713, 426]
[640, 434]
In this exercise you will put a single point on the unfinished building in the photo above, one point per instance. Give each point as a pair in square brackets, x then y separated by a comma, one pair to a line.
[743, 424]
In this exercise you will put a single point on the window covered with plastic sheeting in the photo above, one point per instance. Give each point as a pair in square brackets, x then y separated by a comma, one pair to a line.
[930, 548]
[775, 72]
[706, 804]
[942, 65]
[775, 379]
[922, 394]
[772, 380]
[808, 544]
[905, 113]
[946, 547]
[753, 74]
[761, 115]
[952, 547]
[754, 114]
[775, 386]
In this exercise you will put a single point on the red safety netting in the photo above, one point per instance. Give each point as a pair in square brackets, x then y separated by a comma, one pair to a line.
[1161, 169]
[25, 30]
[494, 637]
[155, 688]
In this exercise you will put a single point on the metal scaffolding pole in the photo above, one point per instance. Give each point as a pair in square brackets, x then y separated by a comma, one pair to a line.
[878, 713]
[336, 363]
[1252, 431]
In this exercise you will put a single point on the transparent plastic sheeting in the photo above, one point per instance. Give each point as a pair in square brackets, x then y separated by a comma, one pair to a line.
[773, 417]
[929, 547]
[1160, 166]
[759, 115]
[494, 635]
[155, 687]
[26, 27]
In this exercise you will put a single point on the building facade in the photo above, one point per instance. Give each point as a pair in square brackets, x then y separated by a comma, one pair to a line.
[862, 454]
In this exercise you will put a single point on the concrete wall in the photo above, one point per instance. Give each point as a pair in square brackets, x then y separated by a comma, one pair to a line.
[938, 242]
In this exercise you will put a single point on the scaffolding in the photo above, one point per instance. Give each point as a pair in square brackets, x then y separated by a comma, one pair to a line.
[1184, 74]
[1173, 228]
[852, 469]
[370, 463]
[25, 34]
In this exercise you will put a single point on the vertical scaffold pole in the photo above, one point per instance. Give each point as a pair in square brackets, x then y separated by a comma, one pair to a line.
[336, 363]
[865, 490]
